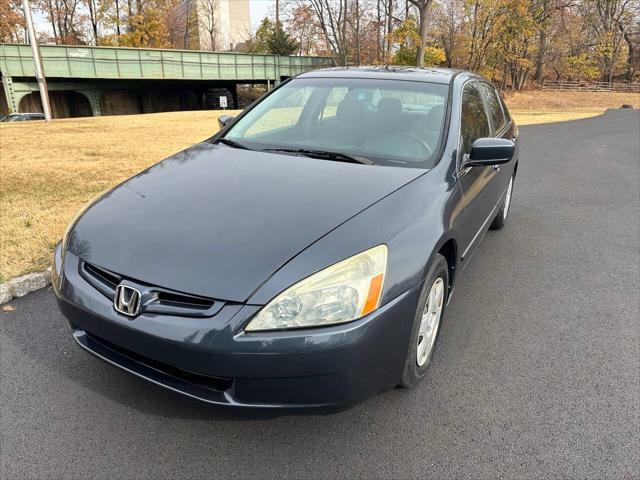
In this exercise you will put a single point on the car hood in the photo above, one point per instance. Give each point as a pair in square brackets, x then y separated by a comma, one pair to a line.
[217, 221]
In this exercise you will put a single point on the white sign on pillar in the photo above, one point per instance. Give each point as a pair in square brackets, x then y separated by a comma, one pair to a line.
[223, 102]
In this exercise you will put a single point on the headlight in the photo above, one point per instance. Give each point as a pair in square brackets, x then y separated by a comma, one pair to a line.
[345, 291]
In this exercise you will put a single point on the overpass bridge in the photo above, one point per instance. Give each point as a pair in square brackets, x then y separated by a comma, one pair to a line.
[85, 81]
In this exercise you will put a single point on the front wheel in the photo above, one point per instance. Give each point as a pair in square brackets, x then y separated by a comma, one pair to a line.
[426, 323]
[501, 217]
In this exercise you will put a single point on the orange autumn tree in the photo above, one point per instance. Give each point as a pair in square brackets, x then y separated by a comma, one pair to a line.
[11, 21]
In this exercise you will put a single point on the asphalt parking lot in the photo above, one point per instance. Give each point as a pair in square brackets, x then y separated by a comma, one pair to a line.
[536, 374]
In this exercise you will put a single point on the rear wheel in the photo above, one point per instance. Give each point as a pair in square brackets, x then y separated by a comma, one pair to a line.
[426, 323]
[503, 213]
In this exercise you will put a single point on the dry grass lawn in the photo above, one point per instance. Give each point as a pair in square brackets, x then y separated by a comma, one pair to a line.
[546, 107]
[48, 171]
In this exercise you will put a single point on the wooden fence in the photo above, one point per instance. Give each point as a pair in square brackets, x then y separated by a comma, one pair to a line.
[582, 86]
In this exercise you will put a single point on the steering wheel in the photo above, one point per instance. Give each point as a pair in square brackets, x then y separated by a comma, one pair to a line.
[403, 144]
[422, 149]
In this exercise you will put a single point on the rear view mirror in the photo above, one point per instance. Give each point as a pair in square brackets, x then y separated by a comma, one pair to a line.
[223, 120]
[490, 151]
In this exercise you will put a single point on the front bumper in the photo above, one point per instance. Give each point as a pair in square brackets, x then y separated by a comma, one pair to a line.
[213, 360]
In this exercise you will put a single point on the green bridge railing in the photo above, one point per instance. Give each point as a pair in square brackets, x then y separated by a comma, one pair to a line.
[82, 62]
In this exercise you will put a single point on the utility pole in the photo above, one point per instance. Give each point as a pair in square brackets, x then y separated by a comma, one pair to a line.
[42, 83]
[277, 14]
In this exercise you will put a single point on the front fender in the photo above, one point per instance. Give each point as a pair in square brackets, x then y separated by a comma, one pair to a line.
[414, 222]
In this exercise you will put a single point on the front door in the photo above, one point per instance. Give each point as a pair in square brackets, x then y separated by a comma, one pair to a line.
[479, 185]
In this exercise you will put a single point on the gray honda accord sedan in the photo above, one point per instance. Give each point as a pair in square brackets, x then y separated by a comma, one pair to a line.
[305, 254]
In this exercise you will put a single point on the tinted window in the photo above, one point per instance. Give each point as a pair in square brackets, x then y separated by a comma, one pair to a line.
[475, 123]
[505, 110]
[494, 106]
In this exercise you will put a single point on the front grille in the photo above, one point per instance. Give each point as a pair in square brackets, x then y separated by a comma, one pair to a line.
[188, 301]
[108, 278]
[219, 384]
[154, 299]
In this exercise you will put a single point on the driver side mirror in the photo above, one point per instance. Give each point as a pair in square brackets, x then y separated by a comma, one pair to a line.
[490, 151]
[224, 120]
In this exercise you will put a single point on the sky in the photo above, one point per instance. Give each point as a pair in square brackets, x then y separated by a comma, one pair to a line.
[258, 10]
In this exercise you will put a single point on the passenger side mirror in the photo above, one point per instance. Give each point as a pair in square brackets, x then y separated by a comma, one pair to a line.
[490, 151]
[223, 120]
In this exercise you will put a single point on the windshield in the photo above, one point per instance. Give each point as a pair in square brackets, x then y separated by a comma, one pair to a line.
[388, 122]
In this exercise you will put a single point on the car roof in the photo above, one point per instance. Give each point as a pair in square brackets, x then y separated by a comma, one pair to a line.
[390, 72]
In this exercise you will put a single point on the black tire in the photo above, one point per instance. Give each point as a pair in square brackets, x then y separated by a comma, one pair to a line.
[501, 218]
[412, 372]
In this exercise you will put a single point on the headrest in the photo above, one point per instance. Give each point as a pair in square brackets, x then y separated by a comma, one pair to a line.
[390, 105]
[350, 109]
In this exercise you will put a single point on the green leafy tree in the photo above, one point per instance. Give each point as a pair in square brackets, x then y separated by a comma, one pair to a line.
[260, 41]
[269, 39]
[581, 67]
[407, 39]
[280, 43]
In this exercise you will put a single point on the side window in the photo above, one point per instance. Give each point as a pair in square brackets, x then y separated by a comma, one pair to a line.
[505, 110]
[475, 123]
[494, 106]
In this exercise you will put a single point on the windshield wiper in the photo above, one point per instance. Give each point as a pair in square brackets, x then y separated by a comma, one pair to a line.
[232, 143]
[323, 154]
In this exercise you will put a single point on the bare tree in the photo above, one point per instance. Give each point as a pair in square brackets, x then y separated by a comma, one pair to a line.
[93, 7]
[64, 19]
[301, 23]
[544, 13]
[631, 35]
[332, 19]
[208, 20]
[449, 28]
[389, 25]
[612, 17]
[117, 18]
[380, 33]
[423, 10]
[354, 19]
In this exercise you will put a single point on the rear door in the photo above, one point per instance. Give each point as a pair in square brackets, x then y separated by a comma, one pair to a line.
[501, 127]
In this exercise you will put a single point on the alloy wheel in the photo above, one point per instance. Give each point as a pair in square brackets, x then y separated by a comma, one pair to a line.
[507, 199]
[430, 321]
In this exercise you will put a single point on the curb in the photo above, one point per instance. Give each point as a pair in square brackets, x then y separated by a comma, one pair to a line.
[20, 286]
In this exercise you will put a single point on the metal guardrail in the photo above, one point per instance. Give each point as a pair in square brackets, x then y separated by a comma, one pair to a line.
[85, 62]
[582, 86]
